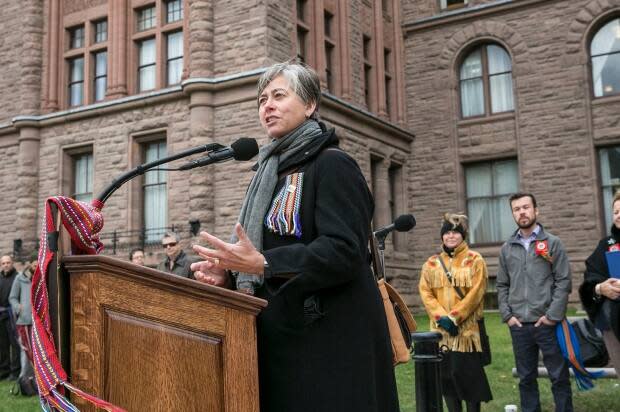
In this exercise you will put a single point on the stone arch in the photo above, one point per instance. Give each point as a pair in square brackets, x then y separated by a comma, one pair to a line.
[486, 30]
[580, 29]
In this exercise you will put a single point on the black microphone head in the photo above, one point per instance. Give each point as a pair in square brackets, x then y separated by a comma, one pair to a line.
[404, 223]
[244, 148]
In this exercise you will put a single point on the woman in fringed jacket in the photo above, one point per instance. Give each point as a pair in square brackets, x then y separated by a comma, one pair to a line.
[455, 317]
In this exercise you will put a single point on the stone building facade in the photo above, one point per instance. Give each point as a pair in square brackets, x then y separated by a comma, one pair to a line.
[93, 88]
[446, 105]
[557, 134]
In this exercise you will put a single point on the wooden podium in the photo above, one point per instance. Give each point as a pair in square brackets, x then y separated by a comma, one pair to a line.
[149, 341]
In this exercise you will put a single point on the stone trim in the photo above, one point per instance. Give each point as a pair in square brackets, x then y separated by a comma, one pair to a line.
[467, 13]
[487, 30]
[581, 29]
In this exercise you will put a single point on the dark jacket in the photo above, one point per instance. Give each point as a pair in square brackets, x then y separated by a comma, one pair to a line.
[322, 341]
[597, 272]
[6, 282]
[528, 285]
[181, 267]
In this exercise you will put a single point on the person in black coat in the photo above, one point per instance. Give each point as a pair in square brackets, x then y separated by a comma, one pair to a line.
[600, 293]
[302, 244]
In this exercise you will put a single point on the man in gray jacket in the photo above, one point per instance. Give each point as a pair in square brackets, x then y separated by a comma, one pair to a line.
[533, 284]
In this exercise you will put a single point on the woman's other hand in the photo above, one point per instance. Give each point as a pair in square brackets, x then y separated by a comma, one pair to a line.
[610, 288]
[207, 272]
[240, 257]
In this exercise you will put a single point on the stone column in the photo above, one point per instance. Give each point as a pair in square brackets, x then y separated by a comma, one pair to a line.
[200, 38]
[117, 54]
[381, 192]
[53, 56]
[399, 66]
[27, 174]
[379, 61]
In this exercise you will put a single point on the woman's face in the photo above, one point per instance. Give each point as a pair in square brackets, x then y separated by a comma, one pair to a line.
[452, 239]
[280, 109]
[616, 213]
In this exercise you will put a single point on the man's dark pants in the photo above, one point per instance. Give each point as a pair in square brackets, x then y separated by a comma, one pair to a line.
[526, 342]
[9, 349]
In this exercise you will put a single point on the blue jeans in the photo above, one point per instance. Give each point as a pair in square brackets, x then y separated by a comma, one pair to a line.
[526, 342]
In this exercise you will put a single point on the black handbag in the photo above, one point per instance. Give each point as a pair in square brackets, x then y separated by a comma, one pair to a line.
[591, 344]
[485, 355]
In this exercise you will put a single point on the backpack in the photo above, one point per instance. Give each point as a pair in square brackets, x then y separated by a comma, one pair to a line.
[26, 385]
[591, 344]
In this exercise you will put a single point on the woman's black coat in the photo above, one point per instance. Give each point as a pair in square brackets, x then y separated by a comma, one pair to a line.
[597, 272]
[323, 343]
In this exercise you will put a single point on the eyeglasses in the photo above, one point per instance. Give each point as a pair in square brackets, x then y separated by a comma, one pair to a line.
[167, 245]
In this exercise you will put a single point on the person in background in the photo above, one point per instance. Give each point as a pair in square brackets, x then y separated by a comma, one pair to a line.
[176, 262]
[600, 293]
[456, 317]
[533, 284]
[20, 303]
[302, 244]
[9, 348]
[137, 256]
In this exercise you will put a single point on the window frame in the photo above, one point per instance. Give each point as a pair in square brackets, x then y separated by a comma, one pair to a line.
[486, 80]
[97, 77]
[169, 59]
[492, 197]
[143, 187]
[69, 156]
[447, 7]
[594, 32]
[605, 206]
[71, 82]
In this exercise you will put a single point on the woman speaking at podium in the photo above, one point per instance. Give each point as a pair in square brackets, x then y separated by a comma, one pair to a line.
[301, 244]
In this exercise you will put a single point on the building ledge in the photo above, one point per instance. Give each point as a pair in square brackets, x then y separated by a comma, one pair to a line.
[466, 13]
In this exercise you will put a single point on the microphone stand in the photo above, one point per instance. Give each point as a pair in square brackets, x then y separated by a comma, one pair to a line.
[143, 168]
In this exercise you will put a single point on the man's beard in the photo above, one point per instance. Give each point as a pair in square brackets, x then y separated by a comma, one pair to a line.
[527, 226]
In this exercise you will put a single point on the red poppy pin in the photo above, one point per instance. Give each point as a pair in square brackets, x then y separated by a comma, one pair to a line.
[542, 250]
[614, 248]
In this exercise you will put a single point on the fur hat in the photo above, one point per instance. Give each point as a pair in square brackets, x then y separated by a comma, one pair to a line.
[454, 222]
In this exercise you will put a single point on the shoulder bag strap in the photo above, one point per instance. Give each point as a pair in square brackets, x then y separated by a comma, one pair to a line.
[449, 276]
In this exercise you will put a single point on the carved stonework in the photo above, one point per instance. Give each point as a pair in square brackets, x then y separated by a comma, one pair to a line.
[71, 6]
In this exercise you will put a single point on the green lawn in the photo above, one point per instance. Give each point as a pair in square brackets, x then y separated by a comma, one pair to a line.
[605, 397]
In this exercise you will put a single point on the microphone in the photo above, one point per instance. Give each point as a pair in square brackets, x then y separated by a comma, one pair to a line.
[244, 148]
[403, 223]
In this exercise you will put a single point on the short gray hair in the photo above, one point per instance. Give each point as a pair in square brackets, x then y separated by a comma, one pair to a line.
[302, 79]
[175, 235]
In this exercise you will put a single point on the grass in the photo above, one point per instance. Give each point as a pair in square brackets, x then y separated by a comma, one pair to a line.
[605, 397]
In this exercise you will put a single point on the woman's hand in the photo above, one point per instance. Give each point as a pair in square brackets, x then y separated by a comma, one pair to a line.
[206, 272]
[241, 256]
[610, 288]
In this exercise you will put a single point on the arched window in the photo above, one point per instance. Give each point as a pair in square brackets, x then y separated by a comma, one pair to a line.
[486, 82]
[605, 54]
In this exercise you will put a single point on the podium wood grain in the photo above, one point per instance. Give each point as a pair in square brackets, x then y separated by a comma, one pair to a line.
[149, 341]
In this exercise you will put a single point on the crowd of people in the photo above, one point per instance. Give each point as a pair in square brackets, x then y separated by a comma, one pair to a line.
[301, 243]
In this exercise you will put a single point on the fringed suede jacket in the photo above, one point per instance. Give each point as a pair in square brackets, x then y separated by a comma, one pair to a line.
[469, 273]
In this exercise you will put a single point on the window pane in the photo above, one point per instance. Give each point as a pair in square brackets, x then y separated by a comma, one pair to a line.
[606, 74]
[147, 52]
[83, 177]
[472, 97]
[505, 177]
[607, 39]
[75, 94]
[610, 178]
[488, 187]
[472, 66]
[155, 199]
[101, 85]
[77, 69]
[499, 59]
[175, 71]
[174, 10]
[101, 64]
[101, 31]
[501, 93]
[175, 45]
[146, 18]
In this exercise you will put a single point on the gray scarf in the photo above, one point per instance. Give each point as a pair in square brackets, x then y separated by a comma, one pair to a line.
[260, 193]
